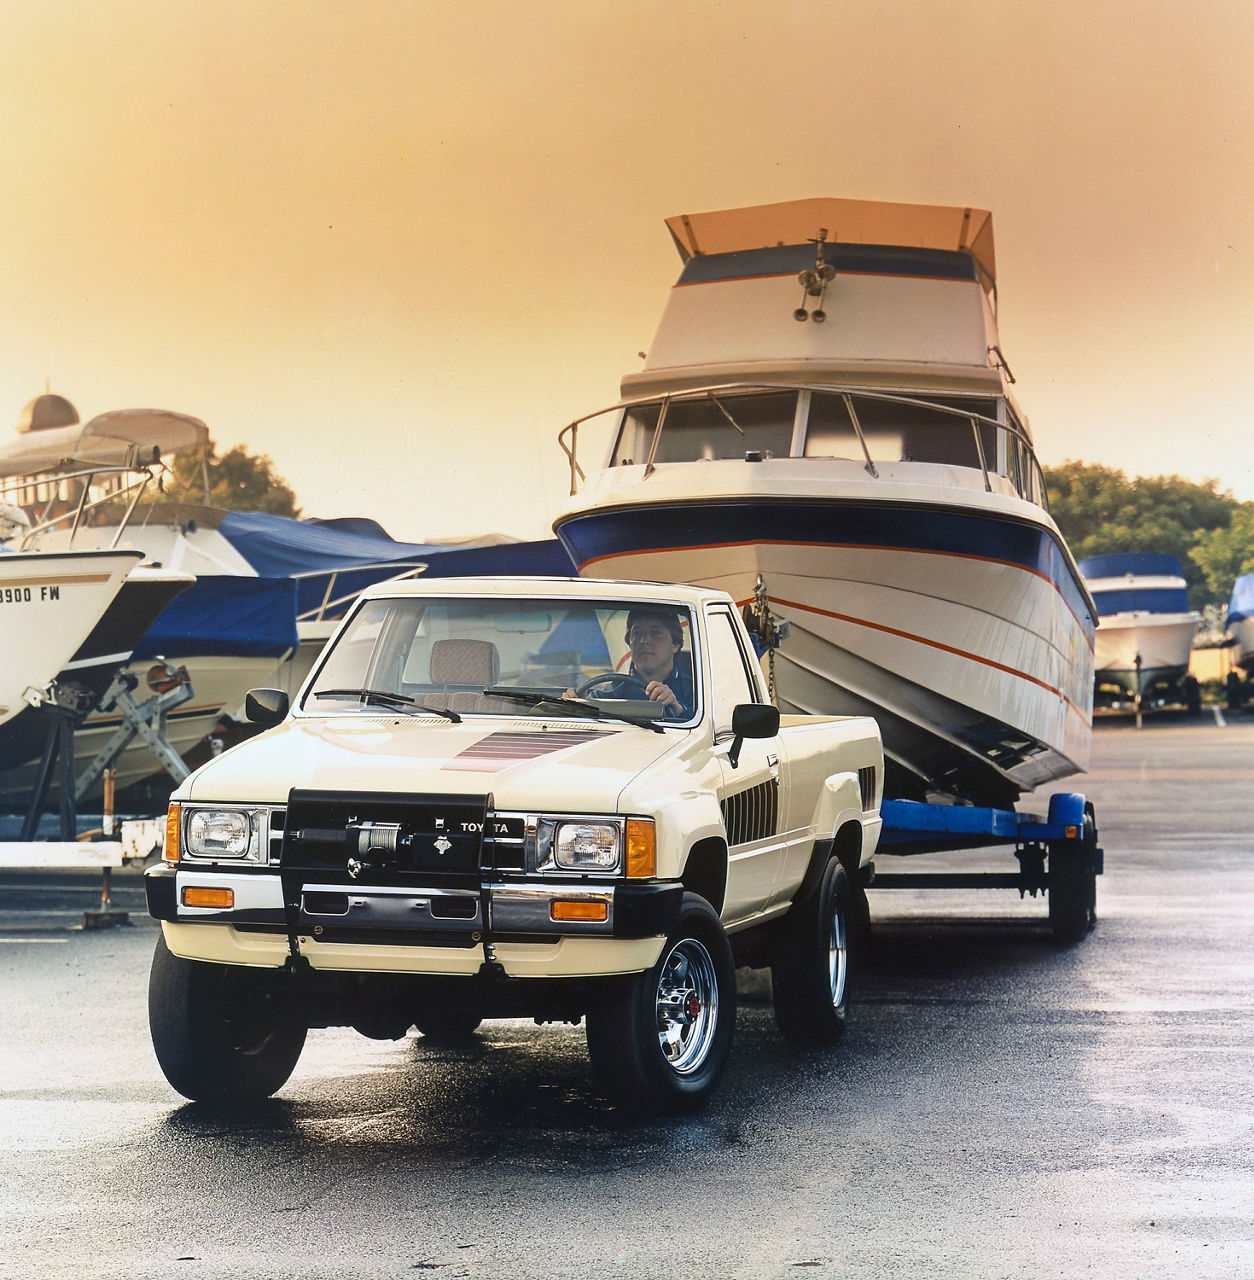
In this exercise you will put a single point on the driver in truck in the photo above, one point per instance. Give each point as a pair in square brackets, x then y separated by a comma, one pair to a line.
[656, 640]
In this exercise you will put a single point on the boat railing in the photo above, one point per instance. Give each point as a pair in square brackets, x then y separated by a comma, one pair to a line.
[1021, 469]
[325, 609]
[58, 501]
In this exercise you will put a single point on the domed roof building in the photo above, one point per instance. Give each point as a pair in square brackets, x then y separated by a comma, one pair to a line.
[46, 411]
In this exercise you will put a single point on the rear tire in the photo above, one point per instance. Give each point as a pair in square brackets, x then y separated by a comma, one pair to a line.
[811, 971]
[659, 1040]
[220, 1032]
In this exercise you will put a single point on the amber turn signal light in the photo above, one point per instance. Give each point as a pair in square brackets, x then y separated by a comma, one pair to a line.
[172, 825]
[597, 909]
[641, 848]
[199, 896]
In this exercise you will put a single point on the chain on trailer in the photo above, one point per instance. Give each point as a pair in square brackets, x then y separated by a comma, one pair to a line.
[769, 630]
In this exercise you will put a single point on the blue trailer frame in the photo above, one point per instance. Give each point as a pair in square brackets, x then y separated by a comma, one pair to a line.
[1058, 855]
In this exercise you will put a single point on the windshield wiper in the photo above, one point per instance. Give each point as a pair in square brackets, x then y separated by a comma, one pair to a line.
[520, 694]
[388, 699]
[546, 697]
[565, 706]
[722, 408]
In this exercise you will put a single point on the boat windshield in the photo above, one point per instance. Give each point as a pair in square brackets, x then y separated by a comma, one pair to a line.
[712, 427]
[959, 431]
[503, 655]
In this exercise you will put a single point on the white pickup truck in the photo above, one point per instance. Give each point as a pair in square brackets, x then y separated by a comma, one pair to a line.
[542, 798]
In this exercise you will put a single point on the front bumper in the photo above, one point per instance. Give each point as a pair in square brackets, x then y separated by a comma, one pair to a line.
[414, 929]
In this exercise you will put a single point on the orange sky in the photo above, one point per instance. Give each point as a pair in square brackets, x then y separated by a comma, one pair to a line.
[396, 244]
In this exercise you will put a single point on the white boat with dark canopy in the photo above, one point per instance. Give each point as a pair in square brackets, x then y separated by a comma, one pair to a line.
[824, 427]
[1145, 627]
[1240, 624]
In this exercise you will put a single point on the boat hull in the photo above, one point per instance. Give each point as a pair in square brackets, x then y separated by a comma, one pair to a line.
[91, 669]
[52, 602]
[965, 632]
[1242, 632]
[1161, 642]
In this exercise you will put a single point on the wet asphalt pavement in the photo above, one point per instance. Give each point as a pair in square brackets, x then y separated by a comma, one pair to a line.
[1000, 1108]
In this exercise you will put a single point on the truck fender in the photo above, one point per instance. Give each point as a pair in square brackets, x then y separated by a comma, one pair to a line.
[839, 802]
[683, 824]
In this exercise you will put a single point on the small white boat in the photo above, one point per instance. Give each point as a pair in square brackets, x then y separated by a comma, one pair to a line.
[1145, 627]
[1241, 621]
[824, 427]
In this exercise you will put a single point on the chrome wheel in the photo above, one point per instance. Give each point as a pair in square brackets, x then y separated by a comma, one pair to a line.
[687, 1005]
[837, 955]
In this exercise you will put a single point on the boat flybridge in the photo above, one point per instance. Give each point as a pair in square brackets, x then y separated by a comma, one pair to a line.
[824, 426]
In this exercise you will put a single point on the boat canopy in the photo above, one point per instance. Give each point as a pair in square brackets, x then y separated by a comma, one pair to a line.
[920, 226]
[121, 437]
[1241, 606]
[1137, 563]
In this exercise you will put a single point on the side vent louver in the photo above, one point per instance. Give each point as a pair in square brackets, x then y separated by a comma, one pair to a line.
[752, 814]
[866, 785]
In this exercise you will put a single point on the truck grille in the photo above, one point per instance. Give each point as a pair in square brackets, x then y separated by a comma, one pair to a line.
[378, 839]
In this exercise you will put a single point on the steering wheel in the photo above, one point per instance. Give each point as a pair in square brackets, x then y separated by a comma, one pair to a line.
[613, 680]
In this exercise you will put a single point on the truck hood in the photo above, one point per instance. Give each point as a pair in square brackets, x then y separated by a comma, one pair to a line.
[522, 764]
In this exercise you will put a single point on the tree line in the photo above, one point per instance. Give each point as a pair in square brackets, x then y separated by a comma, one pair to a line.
[1101, 511]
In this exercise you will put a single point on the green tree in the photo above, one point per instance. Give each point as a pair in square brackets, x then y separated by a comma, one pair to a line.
[1223, 555]
[1101, 511]
[238, 481]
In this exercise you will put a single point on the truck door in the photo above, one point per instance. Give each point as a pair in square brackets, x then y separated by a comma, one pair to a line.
[750, 796]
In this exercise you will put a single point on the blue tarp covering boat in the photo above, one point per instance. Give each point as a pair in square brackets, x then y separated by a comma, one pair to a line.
[359, 552]
[228, 615]
[1241, 606]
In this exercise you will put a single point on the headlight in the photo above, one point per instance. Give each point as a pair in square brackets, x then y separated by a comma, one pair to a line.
[587, 846]
[227, 833]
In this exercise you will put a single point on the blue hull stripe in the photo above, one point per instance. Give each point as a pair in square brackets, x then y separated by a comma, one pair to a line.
[615, 531]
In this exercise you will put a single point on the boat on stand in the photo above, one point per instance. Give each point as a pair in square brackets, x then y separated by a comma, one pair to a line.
[1145, 627]
[824, 426]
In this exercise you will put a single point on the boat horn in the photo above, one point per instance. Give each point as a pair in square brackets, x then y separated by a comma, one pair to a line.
[815, 282]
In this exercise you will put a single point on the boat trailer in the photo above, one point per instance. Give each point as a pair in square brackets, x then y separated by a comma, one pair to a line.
[1058, 855]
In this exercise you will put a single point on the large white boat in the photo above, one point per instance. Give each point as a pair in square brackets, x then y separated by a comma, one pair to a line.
[823, 426]
[1145, 627]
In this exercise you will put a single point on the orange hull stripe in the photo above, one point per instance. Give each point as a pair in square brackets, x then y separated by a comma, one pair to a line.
[837, 546]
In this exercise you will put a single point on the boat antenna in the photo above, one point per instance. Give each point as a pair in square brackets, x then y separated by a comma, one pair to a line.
[814, 282]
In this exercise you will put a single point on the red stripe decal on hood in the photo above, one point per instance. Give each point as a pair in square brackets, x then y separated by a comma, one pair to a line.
[500, 750]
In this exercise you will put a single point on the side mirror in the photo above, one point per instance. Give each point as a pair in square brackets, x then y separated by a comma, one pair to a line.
[751, 720]
[266, 706]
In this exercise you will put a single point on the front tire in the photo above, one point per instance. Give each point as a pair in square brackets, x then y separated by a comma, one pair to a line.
[811, 971]
[660, 1040]
[220, 1032]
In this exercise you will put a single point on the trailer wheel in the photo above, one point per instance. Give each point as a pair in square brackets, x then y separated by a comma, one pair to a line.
[659, 1040]
[1073, 884]
[811, 970]
[220, 1032]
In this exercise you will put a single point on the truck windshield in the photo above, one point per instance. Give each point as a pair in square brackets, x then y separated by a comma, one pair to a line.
[505, 656]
